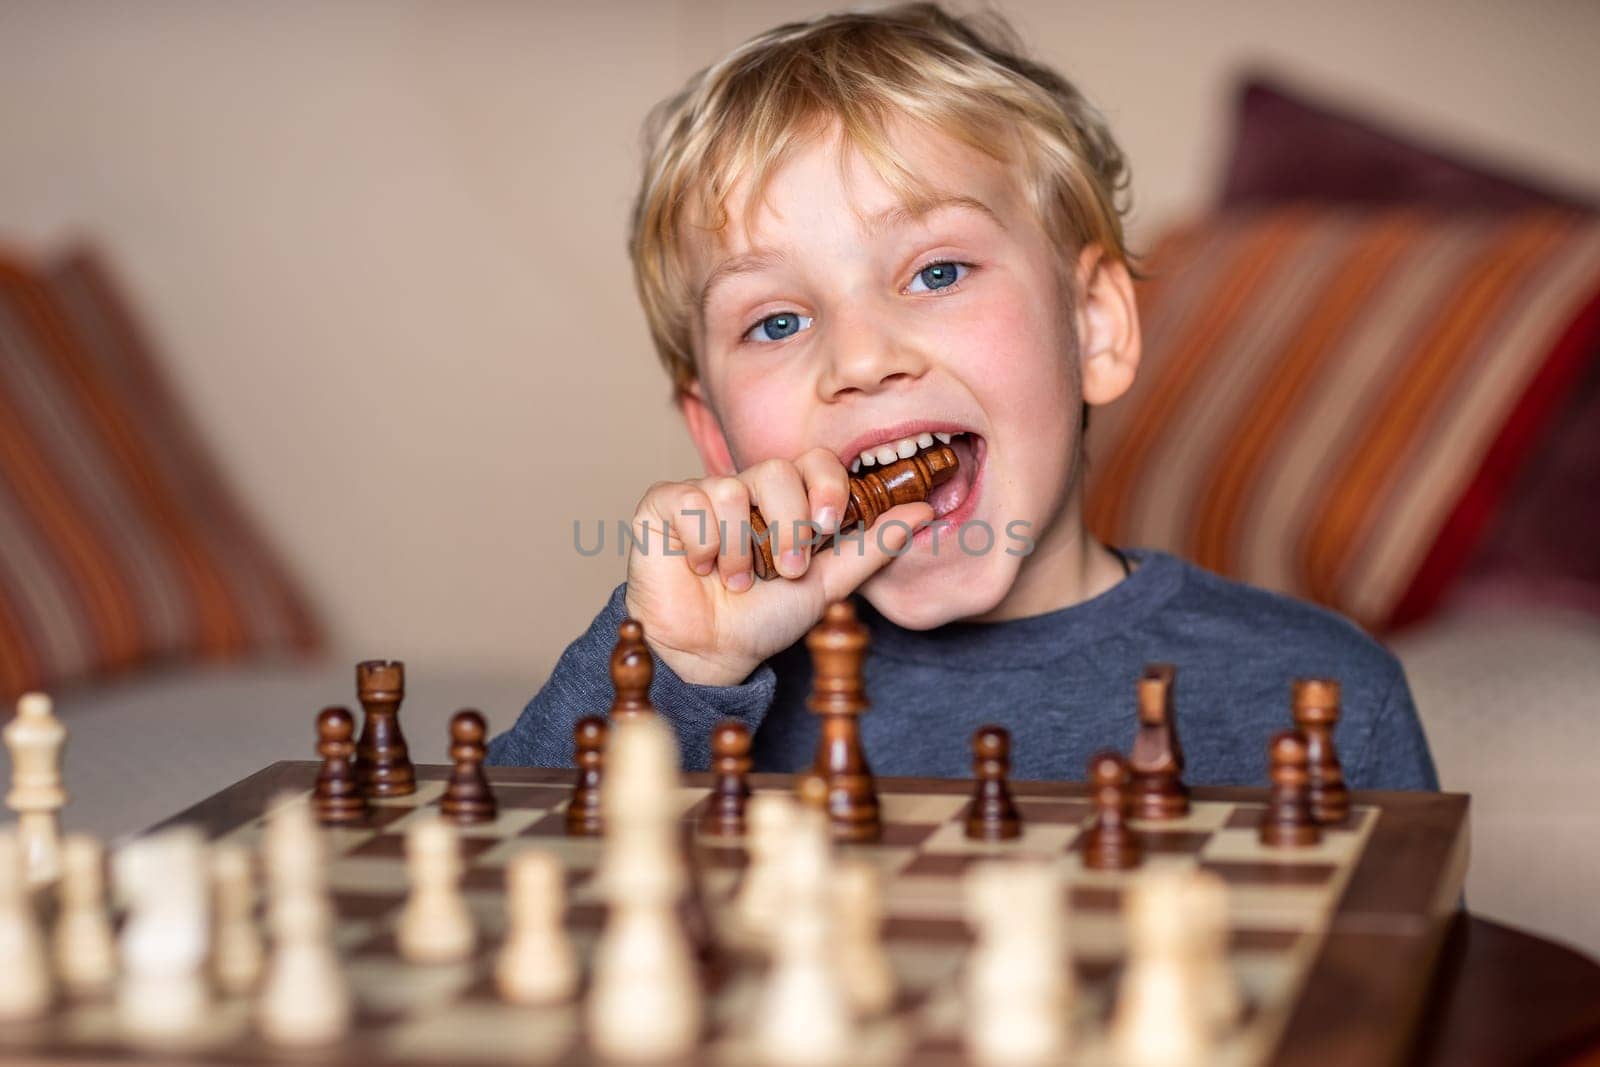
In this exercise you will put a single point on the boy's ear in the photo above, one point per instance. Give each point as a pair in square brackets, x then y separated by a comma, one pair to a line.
[705, 431]
[1109, 343]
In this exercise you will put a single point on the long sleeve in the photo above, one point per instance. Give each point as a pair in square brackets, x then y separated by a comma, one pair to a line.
[1396, 754]
[580, 685]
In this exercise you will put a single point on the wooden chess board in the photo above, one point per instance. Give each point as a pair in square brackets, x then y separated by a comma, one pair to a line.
[1333, 945]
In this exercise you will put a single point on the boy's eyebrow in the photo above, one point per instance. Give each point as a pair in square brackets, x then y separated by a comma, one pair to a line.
[762, 258]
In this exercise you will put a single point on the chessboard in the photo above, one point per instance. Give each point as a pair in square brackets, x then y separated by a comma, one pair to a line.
[1332, 945]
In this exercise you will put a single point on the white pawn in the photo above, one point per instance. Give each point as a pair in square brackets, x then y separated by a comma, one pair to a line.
[645, 1001]
[759, 903]
[35, 738]
[25, 990]
[1019, 987]
[536, 964]
[163, 995]
[85, 946]
[237, 956]
[305, 999]
[435, 925]
[1161, 1013]
[804, 1014]
[858, 947]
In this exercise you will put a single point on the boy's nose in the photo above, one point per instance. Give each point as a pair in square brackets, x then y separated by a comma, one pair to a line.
[865, 360]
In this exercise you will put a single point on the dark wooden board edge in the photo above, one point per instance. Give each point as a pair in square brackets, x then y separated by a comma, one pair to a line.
[1376, 965]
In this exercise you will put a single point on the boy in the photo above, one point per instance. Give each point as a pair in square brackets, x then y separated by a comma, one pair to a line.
[855, 234]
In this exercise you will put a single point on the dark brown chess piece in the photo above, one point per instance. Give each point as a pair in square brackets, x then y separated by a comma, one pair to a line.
[1316, 713]
[337, 798]
[467, 796]
[383, 763]
[1110, 843]
[838, 646]
[631, 672]
[993, 815]
[1157, 757]
[1287, 821]
[905, 481]
[589, 745]
[730, 789]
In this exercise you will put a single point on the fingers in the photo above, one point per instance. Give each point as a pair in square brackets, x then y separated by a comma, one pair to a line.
[802, 503]
[684, 513]
[861, 555]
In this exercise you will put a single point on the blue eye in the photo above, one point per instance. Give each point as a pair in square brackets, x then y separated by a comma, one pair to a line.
[939, 275]
[778, 327]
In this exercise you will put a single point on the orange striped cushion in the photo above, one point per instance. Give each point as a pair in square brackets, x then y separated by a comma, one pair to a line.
[1331, 403]
[118, 545]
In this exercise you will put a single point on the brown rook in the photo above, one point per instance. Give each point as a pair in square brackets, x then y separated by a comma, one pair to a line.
[1287, 822]
[905, 481]
[336, 798]
[993, 815]
[838, 646]
[730, 789]
[631, 673]
[383, 764]
[589, 748]
[1110, 843]
[467, 796]
[1316, 713]
[1157, 758]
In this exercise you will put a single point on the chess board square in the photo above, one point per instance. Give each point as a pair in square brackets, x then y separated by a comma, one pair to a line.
[393, 847]
[923, 930]
[550, 824]
[1173, 842]
[1237, 872]
[932, 808]
[905, 835]
[360, 904]
[954, 864]
[1040, 838]
[1248, 817]
[1246, 846]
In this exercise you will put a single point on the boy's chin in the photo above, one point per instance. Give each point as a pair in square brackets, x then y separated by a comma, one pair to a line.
[921, 592]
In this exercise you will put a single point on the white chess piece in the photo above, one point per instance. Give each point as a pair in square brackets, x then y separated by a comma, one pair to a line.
[85, 946]
[435, 924]
[804, 1015]
[237, 956]
[1206, 900]
[645, 1003]
[1161, 1014]
[35, 738]
[861, 960]
[25, 987]
[163, 994]
[536, 965]
[759, 901]
[305, 999]
[1019, 986]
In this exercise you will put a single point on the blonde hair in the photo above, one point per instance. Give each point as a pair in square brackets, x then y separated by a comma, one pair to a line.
[742, 116]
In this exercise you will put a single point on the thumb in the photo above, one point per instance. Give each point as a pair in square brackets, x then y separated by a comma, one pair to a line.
[844, 565]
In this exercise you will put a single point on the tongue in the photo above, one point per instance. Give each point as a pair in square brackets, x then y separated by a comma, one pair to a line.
[947, 497]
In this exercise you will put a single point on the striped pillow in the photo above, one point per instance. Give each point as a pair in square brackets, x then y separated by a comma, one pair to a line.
[118, 545]
[1332, 403]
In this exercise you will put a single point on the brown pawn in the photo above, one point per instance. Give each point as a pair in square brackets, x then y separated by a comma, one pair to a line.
[1110, 844]
[583, 810]
[467, 796]
[383, 763]
[730, 790]
[838, 645]
[631, 672]
[993, 815]
[337, 799]
[1157, 758]
[1287, 822]
[1316, 713]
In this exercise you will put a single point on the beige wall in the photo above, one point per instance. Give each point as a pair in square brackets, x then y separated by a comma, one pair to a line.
[383, 243]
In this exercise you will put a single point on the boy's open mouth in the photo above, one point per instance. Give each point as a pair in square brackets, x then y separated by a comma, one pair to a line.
[945, 499]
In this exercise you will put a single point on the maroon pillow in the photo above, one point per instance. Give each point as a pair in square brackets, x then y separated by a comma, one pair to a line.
[1289, 148]
[1539, 543]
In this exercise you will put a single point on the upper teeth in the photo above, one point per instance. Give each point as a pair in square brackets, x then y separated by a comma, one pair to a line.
[904, 448]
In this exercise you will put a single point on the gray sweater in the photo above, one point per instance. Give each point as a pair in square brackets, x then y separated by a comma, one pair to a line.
[1062, 683]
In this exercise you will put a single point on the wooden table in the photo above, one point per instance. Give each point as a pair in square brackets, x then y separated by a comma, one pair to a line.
[1503, 996]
